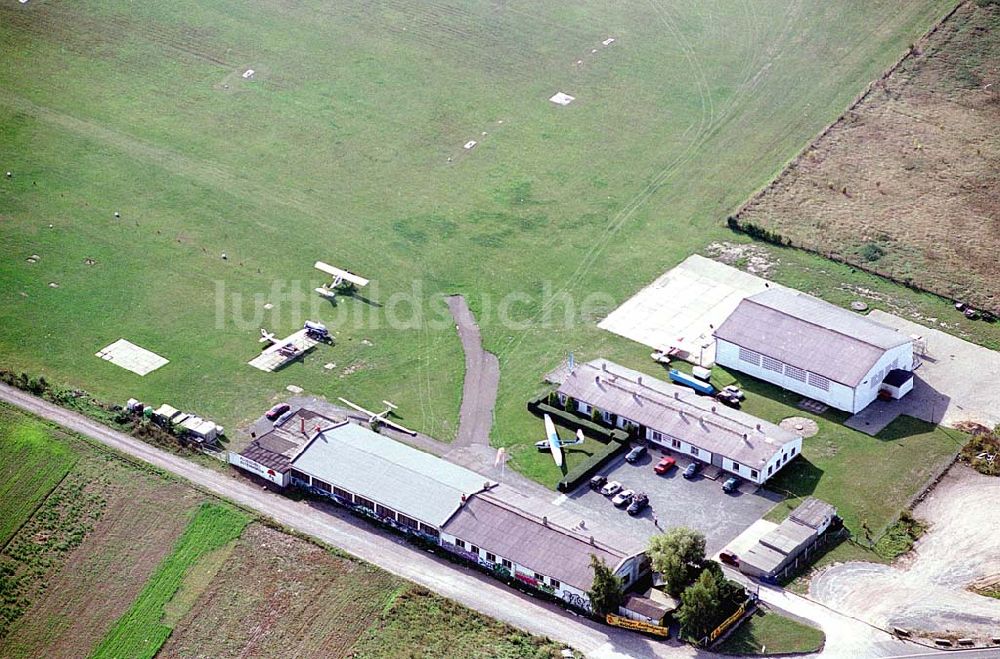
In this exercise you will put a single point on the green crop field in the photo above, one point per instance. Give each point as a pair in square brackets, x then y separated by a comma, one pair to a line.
[140, 632]
[346, 145]
[31, 464]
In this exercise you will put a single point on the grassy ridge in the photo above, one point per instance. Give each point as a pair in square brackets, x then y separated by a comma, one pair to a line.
[140, 632]
[31, 464]
[417, 623]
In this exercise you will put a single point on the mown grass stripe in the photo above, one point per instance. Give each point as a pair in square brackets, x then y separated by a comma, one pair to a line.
[139, 633]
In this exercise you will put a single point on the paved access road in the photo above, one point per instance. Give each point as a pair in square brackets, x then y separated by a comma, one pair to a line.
[845, 637]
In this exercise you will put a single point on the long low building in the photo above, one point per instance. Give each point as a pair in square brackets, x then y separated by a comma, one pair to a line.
[678, 419]
[420, 494]
[534, 550]
[816, 349]
[792, 540]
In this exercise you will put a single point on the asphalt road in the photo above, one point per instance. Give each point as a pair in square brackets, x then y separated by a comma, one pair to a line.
[846, 637]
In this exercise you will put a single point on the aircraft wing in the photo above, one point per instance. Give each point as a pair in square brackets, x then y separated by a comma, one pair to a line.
[553, 437]
[343, 274]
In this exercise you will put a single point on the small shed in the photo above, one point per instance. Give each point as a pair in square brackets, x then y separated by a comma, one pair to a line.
[637, 607]
[898, 383]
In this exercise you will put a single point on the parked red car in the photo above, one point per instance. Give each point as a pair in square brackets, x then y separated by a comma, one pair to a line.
[277, 411]
[665, 464]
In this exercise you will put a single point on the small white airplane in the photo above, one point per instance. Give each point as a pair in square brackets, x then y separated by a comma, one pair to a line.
[343, 281]
[266, 337]
[554, 444]
[380, 417]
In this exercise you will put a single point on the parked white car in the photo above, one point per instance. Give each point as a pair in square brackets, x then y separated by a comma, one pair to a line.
[612, 488]
[623, 498]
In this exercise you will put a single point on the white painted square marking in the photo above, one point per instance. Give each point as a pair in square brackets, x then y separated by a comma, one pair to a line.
[132, 357]
[561, 98]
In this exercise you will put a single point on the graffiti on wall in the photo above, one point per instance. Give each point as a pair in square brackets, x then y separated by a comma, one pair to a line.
[577, 601]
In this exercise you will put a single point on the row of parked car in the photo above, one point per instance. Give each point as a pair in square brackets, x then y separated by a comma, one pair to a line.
[621, 497]
[667, 463]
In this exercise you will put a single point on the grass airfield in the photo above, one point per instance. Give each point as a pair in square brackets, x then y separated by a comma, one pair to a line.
[347, 146]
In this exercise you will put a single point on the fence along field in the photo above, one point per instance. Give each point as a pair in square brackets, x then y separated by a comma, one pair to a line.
[140, 633]
[31, 464]
[337, 149]
[905, 184]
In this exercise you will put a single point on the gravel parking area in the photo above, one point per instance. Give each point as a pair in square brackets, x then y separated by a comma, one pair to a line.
[699, 503]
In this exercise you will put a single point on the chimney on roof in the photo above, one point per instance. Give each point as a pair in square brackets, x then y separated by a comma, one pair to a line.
[464, 499]
[604, 366]
[677, 395]
[303, 424]
[639, 380]
[545, 520]
[746, 438]
[759, 429]
[714, 409]
[592, 541]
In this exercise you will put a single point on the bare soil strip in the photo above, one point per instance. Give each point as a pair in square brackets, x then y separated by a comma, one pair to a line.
[482, 376]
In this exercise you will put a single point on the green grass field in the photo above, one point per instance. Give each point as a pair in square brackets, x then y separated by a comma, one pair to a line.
[31, 464]
[767, 633]
[140, 632]
[339, 150]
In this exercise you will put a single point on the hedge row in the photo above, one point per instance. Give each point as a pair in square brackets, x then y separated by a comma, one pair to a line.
[586, 469]
[574, 422]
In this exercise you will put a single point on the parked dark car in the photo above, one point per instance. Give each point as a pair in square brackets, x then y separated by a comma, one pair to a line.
[277, 411]
[639, 503]
[692, 470]
[731, 485]
[635, 454]
[597, 482]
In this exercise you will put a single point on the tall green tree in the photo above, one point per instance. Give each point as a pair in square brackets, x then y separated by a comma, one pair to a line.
[678, 555]
[700, 606]
[606, 592]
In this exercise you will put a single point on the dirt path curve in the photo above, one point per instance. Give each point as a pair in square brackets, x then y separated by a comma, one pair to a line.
[482, 377]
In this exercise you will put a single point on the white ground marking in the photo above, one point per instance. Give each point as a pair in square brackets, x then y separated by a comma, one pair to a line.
[562, 98]
[132, 357]
[684, 306]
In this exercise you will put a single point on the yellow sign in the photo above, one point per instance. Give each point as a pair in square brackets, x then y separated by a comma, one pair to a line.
[718, 631]
[637, 625]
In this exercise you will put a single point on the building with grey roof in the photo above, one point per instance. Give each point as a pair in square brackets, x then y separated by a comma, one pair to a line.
[790, 542]
[395, 482]
[814, 348]
[678, 419]
[534, 550]
[270, 454]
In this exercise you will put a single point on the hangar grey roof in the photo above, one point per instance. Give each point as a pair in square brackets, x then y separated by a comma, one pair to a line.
[676, 411]
[388, 472]
[513, 534]
[810, 334]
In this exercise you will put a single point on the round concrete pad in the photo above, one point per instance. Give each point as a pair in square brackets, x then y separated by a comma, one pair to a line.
[801, 426]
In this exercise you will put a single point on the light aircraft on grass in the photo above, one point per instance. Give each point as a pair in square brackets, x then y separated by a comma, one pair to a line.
[343, 281]
[554, 444]
[380, 417]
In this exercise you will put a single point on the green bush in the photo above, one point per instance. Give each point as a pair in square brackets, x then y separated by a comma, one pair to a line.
[587, 468]
[872, 252]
